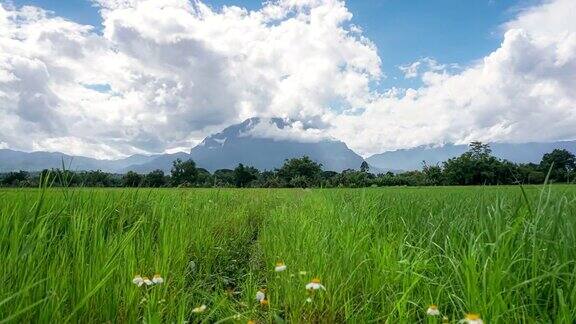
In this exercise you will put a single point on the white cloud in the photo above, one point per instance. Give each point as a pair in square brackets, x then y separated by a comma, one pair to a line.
[523, 91]
[425, 65]
[178, 70]
[289, 130]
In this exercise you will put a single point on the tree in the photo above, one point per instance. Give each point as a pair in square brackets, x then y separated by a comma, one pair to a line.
[301, 168]
[155, 179]
[479, 150]
[352, 179]
[15, 178]
[132, 179]
[204, 178]
[478, 167]
[98, 178]
[561, 164]
[184, 172]
[530, 173]
[244, 175]
[433, 174]
[224, 178]
[364, 167]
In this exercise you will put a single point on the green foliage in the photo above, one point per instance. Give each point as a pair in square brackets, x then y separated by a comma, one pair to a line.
[243, 176]
[98, 179]
[155, 179]
[476, 167]
[132, 179]
[432, 174]
[352, 179]
[383, 255]
[300, 172]
[204, 178]
[224, 178]
[184, 172]
[15, 178]
[561, 165]
[269, 179]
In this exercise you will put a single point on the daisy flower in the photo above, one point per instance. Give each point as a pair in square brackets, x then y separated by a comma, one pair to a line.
[157, 279]
[261, 295]
[280, 266]
[138, 280]
[433, 310]
[315, 285]
[147, 281]
[200, 309]
[472, 318]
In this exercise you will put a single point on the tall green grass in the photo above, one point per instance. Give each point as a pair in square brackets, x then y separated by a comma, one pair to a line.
[69, 255]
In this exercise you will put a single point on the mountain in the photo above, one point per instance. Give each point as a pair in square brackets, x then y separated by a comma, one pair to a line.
[11, 160]
[238, 144]
[265, 143]
[162, 162]
[223, 150]
[411, 159]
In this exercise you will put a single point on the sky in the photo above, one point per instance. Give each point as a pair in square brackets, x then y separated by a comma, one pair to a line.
[110, 78]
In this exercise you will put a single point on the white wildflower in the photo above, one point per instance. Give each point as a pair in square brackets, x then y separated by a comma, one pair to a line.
[472, 318]
[433, 310]
[315, 285]
[157, 279]
[200, 309]
[261, 295]
[280, 266]
[147, 281]
[138, 280]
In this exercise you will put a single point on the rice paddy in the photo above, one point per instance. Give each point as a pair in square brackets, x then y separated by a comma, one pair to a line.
[389, 255]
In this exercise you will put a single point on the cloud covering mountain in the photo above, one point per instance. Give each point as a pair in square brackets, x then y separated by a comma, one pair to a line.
[163, 74]
[253, 143]
[248, 142]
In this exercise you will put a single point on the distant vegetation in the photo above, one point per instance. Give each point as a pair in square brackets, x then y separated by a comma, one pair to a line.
[476, 167]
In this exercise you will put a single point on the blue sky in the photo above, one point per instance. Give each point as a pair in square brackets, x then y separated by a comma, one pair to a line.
[450, 31]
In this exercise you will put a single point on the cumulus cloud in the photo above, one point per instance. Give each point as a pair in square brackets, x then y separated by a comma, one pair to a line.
[523, 91]
[287, 130]
[176, 69]
[165, 73]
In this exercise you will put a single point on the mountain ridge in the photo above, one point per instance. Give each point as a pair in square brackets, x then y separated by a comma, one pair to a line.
[240, 143]
[235, 144]
[412, 159]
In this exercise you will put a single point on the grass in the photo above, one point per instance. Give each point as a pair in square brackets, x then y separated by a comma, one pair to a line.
[384, 255]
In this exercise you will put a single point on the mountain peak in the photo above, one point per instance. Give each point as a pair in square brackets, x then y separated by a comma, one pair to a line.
[266, 142]
[278, 129]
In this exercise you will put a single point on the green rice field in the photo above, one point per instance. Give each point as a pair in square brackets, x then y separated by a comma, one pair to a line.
[382, 255]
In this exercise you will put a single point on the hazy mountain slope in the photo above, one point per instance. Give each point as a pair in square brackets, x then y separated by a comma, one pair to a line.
[411, 159]
[162, 162]
[11, 160]
[235, 144]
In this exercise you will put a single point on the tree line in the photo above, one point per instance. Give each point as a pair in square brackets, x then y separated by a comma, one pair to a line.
[477, 166]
